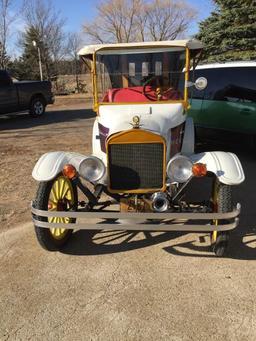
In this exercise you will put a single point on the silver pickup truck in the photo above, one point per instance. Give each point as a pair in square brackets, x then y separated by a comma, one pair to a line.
[26, 95]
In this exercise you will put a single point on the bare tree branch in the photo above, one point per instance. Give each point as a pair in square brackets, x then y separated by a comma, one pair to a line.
[6, 19]
[74, 44]
[139, 20]
[115, 22]
[168, 19]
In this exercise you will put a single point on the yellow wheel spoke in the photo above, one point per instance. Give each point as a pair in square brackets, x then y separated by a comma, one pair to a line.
[58, 233]
[52, 220]
[214, 236]
[52, 198]
[62, 185]
[214, 233]
[61, 195]
[54, 193]
[57, 189]
[67, 189]
[53, 205]
[69, 196]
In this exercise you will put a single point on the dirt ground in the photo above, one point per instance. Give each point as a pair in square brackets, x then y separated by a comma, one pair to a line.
[115, 285]
[23, 140]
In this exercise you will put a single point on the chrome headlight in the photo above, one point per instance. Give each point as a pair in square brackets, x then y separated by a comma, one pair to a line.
[179, 168]
[92, 169]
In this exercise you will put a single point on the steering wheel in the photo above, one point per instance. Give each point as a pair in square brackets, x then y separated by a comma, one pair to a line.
[159, 92]
[146, 93]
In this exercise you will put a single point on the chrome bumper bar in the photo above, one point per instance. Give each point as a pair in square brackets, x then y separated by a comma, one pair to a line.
[168, 221]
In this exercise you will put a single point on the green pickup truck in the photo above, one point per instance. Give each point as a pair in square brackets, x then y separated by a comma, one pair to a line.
[22, 96]
[229, 100]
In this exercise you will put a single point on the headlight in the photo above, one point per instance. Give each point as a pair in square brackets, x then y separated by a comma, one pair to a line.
[179, 169]
[92, 169]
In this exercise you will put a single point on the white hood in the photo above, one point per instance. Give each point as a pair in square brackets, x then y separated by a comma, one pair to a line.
[158, 118]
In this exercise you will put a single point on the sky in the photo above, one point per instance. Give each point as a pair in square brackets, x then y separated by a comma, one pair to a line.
[77, 12]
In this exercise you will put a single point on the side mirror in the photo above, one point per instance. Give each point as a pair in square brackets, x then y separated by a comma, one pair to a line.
[201, 83]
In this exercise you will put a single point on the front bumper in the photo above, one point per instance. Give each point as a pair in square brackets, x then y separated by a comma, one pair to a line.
[168, 221]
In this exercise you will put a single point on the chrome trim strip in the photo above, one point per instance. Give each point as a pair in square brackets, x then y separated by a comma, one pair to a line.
[166, 221]
[118, 215]
[140, 227]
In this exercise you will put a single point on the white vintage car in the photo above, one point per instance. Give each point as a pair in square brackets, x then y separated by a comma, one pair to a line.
[143, 158]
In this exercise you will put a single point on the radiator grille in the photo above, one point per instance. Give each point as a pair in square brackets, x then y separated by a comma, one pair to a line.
[136, 166]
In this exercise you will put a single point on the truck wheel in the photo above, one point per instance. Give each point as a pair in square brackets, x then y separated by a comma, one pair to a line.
[222, 202]
[59, 194]
[37, 107]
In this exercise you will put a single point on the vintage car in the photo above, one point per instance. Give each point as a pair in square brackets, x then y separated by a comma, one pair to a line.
[143, 158]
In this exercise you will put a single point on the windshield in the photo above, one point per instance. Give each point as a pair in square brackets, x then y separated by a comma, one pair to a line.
[140, 75]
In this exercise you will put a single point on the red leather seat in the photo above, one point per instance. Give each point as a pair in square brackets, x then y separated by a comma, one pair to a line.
[135, 94]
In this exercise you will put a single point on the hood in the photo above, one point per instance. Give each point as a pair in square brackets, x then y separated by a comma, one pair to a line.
[157, 118]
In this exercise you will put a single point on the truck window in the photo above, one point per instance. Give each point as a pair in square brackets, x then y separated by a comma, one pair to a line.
[240, 85]
[4, 78]
[215, 82]
[230, 84]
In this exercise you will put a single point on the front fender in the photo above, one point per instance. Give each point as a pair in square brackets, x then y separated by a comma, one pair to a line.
[51, 164]
[226, 166]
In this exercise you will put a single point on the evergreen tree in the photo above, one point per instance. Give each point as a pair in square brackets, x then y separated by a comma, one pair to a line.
[29, 60]
[230, 31]
[4, 58]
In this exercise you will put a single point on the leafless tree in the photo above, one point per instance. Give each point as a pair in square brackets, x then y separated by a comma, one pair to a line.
[44, 19]
[139, 20]
[5, 21]
[168, 19]
[115, 21]
[75, 42]
[73, 45]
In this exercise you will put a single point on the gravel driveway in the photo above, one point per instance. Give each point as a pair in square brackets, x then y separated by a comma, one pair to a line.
[115, 285]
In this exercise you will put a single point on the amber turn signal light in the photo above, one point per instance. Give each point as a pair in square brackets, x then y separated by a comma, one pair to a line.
[69, 171]
[199, 169]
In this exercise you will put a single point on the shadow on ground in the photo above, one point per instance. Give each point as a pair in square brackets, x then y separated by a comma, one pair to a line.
[242, 243]
[23, 120]
[107, 242]
[238, 248]
[242, 240]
